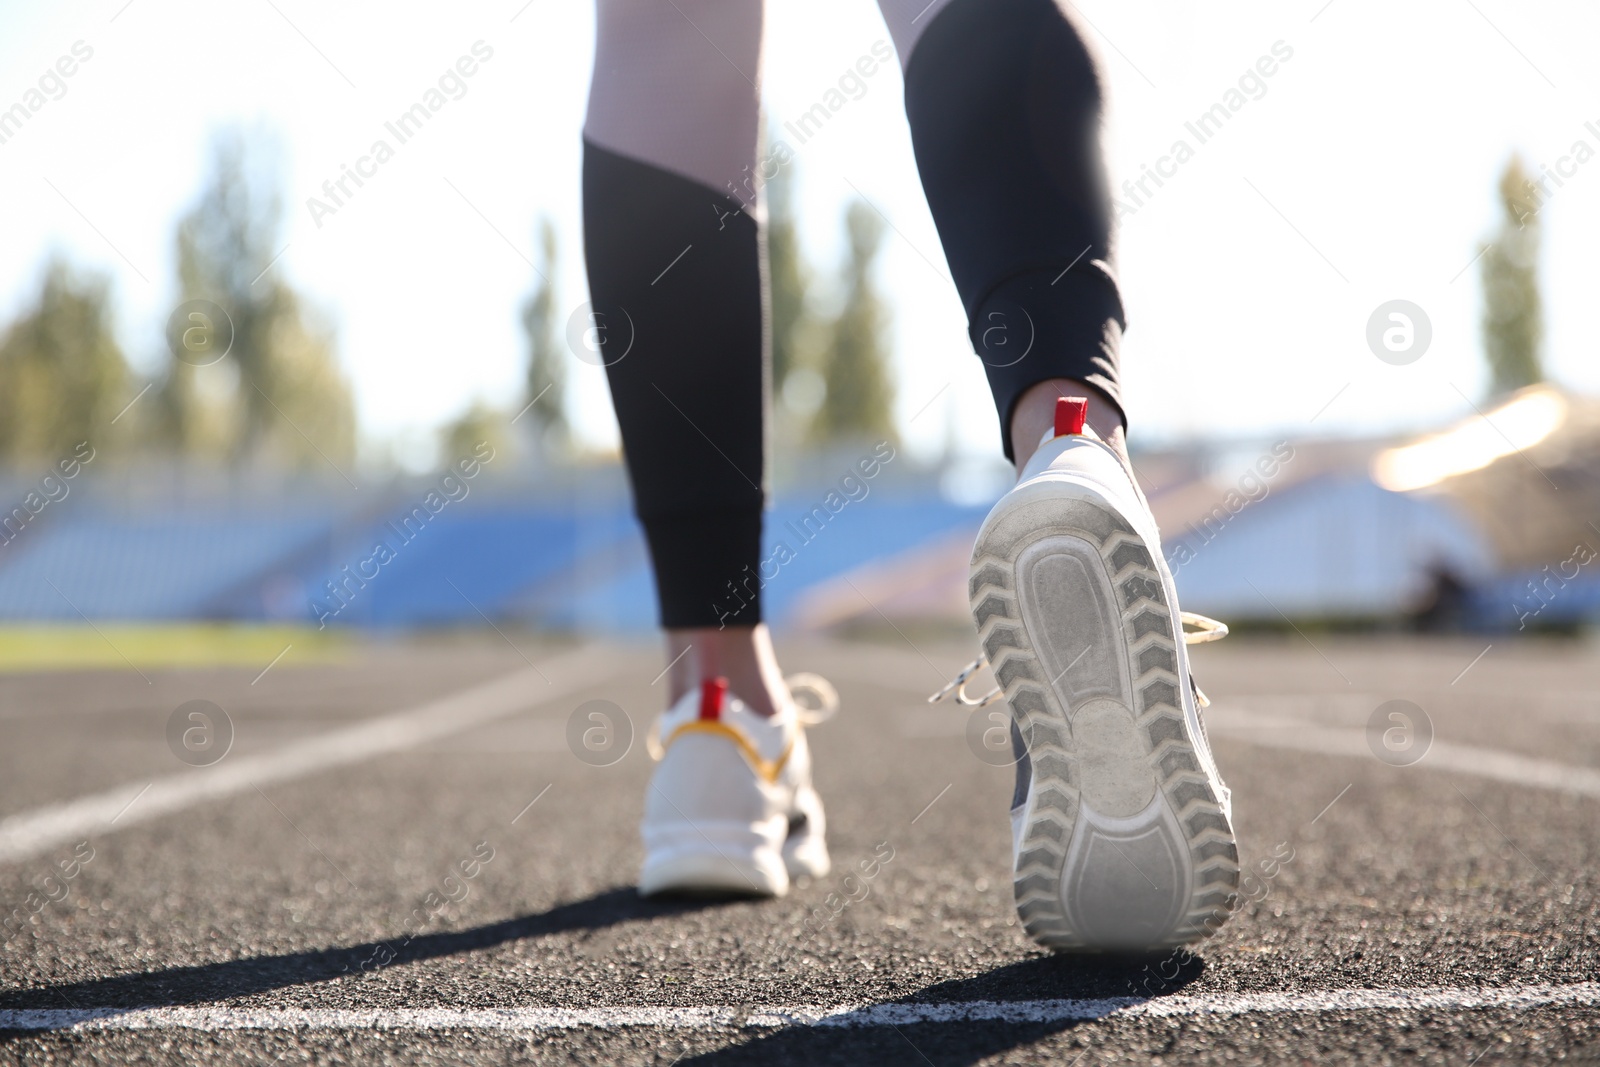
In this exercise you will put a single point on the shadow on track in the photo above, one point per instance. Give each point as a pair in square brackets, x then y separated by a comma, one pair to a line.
[210, 982]
[1039, 978]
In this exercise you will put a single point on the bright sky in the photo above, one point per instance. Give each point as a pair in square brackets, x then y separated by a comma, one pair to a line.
[1365, 173]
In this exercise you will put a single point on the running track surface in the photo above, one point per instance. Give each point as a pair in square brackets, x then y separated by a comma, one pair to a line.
[276, 904]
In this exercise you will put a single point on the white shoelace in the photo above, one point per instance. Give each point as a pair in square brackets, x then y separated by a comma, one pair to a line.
[817, 688]
[1206, 629]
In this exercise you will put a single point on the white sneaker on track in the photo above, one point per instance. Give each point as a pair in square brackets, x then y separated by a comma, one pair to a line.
[731, 809]
[1122, 835]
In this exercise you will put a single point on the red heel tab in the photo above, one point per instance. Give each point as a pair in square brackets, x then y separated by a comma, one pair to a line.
[1071, 411]
[713, 695]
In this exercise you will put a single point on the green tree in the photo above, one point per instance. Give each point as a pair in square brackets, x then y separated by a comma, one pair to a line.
[479, 424]
[62, 374]
[184, 419]
[1513, 313]
[279, 395]
[547, 358]
[855, 360]
[788, 277]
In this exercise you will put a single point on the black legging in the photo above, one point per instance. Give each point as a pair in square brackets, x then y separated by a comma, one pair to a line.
[1004, 102]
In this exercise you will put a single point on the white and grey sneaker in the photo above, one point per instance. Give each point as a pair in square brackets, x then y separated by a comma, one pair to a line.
[1122, 833]
[731, 809]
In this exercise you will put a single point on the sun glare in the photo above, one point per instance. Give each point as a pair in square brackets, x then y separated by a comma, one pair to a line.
[1472, 444]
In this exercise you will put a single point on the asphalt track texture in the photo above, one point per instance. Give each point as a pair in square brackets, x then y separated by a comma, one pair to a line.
[1441, 912]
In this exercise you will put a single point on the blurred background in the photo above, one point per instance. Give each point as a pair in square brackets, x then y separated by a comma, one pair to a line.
[247, 399]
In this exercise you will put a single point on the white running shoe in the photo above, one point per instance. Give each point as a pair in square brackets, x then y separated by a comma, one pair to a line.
[731, 809]
[1122, 833]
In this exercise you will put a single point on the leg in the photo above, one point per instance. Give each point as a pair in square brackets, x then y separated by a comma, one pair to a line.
[1005, 108]
[674, 256]
[1121, 824]
[741, 654]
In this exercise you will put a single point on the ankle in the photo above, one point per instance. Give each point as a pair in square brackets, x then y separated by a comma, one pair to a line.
[1035, 413]
[741, 654]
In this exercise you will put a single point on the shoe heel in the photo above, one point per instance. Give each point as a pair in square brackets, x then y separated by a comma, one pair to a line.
[1124, 841]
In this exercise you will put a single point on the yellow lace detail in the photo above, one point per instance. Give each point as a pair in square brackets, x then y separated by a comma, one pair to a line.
[768, 769]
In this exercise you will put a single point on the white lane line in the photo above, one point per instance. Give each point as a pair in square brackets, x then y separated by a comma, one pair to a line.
[30, 833]
[1515, 998]
[135, 799]
[1276, 731]
[1292, 730]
